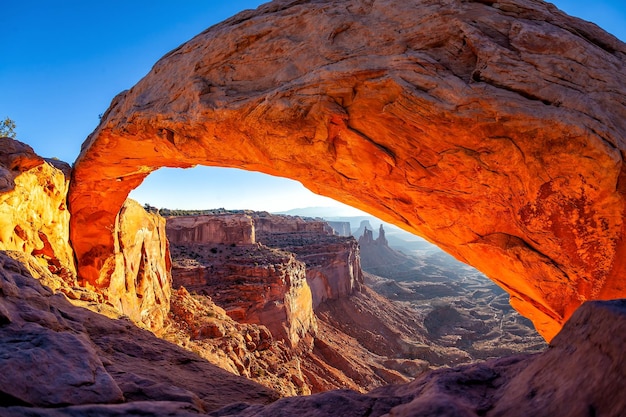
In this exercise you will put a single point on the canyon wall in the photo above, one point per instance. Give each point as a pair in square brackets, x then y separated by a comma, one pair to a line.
[495, 129]
[255, 284]
[333, 264]
[277, 223]
[33, 215]
[226, 229]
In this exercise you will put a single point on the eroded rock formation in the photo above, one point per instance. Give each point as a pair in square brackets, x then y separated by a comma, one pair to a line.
[141, 284]
[348, 337]
[493, 128]
[333, 265]
[55, 355]
[254, 283]
[226, 229]
[33, 215]
[546, 384]
[265, 223]
[34, 220]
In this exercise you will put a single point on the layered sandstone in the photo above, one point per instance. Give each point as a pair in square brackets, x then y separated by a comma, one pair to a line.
[492, 128]
[333, 265]
[55, 356]
[341, 349]
[265, 223]
[227, 229]
[245, 349]
[60, 359]
[253, 283]
[33, 214]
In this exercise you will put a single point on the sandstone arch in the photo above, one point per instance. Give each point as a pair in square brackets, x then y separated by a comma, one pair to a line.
[492, 128]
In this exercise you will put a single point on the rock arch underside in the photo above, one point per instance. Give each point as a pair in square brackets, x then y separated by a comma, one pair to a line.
[495, 129]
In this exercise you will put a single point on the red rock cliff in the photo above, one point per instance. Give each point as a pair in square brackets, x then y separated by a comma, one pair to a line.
[255, 284]
[225, 229]
[276, 223]
[495, 129]
[333, 264]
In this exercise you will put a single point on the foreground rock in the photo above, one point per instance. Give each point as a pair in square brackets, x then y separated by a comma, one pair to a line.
[493, 128]
[54, 354]
[34, 220]
[111, 368]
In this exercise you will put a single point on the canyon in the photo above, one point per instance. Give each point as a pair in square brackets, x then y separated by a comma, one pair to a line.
[492, 128]
[509, 114]
[291, 281]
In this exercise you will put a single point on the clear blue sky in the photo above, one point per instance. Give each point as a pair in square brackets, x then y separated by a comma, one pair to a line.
[61, 63]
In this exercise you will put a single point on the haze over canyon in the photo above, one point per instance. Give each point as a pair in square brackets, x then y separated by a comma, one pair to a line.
[494, 129]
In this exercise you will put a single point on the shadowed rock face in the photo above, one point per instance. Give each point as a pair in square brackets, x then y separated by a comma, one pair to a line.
[494, 129]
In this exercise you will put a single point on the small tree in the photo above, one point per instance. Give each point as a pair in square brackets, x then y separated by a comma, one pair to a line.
[7, 128]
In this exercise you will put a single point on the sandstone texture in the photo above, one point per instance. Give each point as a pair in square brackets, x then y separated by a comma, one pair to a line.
[273, 224]
[492, 128]
[333, 264]
[250, 350]
[61, 359]
[254, 283]
[34, 220]
[140, 285]
[58, 359]
[225, 229]
[33, 215]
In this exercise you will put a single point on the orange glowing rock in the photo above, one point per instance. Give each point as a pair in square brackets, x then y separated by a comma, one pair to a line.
[494, 129]
[33, 215]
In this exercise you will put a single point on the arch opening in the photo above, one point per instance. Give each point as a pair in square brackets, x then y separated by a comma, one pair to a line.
[453, 297]
[447, 133]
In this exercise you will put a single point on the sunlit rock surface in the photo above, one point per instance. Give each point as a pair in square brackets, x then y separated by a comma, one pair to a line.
[348, 337]
[254, 283]
[333, 265]
[33, 215]
[140, 285]
[492, 128]
[76, 362]
[226, 229]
